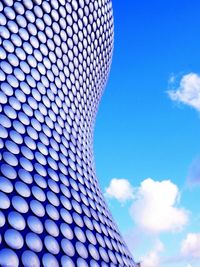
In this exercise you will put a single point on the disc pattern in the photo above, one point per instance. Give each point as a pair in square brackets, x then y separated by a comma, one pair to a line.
[55, 57]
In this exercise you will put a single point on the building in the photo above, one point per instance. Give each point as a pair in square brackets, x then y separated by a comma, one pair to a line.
[55, 58]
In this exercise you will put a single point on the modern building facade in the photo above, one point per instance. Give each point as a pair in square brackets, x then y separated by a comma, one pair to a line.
[55, 58]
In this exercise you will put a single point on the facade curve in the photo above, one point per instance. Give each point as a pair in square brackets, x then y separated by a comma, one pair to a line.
[55, 58]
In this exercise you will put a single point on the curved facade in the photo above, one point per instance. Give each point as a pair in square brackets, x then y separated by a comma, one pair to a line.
[54, 62]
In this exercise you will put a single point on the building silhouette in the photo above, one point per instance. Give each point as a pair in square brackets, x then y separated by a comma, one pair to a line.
[55, 58]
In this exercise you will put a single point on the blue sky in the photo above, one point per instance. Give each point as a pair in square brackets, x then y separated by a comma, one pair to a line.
[144, 131]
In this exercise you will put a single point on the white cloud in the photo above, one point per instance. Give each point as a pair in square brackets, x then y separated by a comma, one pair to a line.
[152, 259]
[172, 79]
[155, 208]
[120, 189]
[188, 91]
[190, 247]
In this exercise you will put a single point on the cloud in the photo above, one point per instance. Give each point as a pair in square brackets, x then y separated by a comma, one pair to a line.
[188, 91]
[135, 238]
[172, 79]
[194, 172]
[120, 189]
[152, 259]
[155, 209]
[190, 247]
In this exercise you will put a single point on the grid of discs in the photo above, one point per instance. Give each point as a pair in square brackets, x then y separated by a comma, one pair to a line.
[54, 62]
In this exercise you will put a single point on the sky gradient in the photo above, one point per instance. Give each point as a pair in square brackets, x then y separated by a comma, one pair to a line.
[143, 131]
